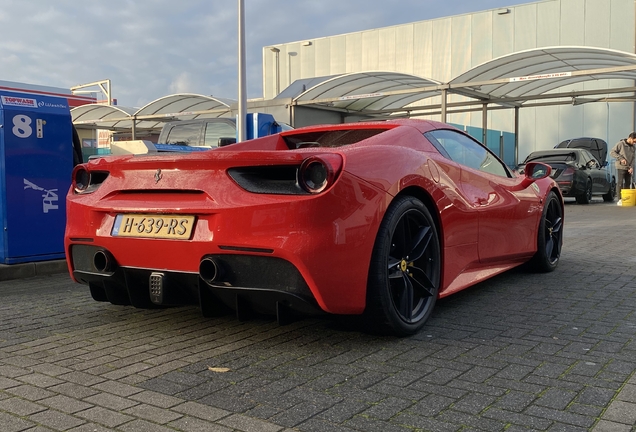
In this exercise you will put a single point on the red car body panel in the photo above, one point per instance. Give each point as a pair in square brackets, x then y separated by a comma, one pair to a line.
[486, 223]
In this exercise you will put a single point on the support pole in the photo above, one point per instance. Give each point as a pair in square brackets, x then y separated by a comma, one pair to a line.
[516, 135]
[444, 96]
[242, 96]
[484, 124]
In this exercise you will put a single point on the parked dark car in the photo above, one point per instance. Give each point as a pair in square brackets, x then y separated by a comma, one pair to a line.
[577, 172]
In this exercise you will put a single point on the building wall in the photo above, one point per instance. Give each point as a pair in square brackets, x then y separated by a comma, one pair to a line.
[444, 48]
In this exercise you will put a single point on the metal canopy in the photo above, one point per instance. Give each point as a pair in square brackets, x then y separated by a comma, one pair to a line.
[107, 116]
[532, 73]
[186, 106]
[368, 91]
[153, 115]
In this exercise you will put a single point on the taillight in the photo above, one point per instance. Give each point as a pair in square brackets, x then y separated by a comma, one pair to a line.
[318, 173]
[567, 173]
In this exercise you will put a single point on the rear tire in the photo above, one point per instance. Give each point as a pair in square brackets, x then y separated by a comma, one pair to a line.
[404, 275]
[586, 196]
[611, 194]
[549, 237]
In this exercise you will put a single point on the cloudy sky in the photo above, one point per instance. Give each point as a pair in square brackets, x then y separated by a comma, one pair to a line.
[152, 48]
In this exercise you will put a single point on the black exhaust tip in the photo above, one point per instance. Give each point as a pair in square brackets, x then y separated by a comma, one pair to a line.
[103, 261]
[210, 270]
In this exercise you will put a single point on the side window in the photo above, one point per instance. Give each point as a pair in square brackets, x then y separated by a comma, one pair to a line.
[185, 134]
[465, 151]
[214, 131]
[585, 157]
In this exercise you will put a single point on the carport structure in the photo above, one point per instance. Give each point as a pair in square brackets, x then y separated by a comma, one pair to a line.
[532, 78]
[183, 106]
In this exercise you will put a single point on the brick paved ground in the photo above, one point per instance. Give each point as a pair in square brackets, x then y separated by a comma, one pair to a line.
[521, 352]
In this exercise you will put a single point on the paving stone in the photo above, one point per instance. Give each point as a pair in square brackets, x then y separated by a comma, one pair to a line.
[117, 388]
[21, 407]
[56, 420]
[29, 392]
[388, 408]
[90, 427]
[156, 399]
[561, 416]
[11, 423]
[40, 380]
[192, 424]
[247, 424]
[144, 426]
[104, 416]
[628, 393]
[608, 426]
[81, 378]
[73, 390]
[201, 411]
[149, 412]
[595, 396]
[6, 383]
[111, 401]
[50, 369]
[556, 398]
[619, 412]
[65, 404]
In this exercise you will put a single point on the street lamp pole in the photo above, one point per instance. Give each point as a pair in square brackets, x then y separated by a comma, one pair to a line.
[242, 94]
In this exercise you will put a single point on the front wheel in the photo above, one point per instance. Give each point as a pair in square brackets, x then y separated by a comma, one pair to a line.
[550, 236]
[404, 274]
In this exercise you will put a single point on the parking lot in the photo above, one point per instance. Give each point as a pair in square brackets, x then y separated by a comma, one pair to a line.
[522, 351]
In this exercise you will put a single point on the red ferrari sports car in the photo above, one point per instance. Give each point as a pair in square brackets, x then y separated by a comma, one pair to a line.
[378, 218]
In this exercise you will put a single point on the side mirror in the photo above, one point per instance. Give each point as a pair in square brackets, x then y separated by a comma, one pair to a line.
[537, 170]
[534, 171]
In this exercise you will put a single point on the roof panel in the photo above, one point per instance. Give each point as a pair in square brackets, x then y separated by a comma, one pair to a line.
[545, 61]
[364, 90]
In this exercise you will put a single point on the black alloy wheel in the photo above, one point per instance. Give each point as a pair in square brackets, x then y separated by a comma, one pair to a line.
[586, 196]
[611, 193]
[550, 236]
[405, 270]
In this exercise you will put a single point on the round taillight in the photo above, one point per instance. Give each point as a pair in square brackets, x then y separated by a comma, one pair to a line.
[314, 175]
[81, 179]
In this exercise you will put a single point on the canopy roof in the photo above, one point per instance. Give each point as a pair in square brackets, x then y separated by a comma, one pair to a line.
[510, 80]
[183, 106]
[363, 91]
[536, 72]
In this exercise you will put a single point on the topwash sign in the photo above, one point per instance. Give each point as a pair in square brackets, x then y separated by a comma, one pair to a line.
[19, 101]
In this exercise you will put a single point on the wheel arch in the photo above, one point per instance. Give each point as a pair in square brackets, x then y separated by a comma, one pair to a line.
[427, 200]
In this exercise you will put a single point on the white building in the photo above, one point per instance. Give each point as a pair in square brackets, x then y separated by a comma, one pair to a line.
[444, 48]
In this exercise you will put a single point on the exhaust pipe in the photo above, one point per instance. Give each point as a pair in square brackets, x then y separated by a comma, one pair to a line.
[103, 261]
[210, 270]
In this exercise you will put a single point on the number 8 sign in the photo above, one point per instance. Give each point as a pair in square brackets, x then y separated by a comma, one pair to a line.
[22, 126]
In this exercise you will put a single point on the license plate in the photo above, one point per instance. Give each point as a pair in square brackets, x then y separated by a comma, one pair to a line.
[178, 227]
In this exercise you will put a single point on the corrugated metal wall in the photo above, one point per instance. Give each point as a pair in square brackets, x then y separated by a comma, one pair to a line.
[444, 48]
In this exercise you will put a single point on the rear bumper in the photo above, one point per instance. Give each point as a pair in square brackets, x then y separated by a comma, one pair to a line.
[314, 250]
[261, 284]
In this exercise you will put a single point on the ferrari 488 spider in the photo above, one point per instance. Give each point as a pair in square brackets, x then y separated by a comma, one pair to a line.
[379, 218]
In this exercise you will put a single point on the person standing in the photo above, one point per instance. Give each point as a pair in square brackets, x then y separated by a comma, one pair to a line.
[623, 152]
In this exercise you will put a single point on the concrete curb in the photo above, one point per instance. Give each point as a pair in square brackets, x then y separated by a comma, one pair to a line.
[26, 270]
